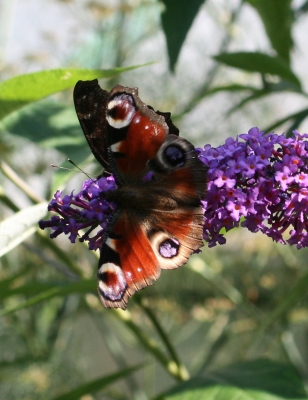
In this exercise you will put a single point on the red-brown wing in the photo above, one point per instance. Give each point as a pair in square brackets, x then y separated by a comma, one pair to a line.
[135, 133]
[129, 139]
[122, 131]
[165, 231]
[134, 253]
[180, 176]
[127, 263]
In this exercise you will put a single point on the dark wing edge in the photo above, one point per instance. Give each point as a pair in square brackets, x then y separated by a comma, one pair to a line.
[90, 104]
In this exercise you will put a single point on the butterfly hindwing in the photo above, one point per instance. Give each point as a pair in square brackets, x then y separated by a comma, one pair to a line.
[127, 263]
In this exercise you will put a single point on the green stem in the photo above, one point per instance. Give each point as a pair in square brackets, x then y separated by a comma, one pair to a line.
[151, 345]
[64, 256]
[7, 201]
[295, 294]
[199, 266]
[13, 177]
[162, 334]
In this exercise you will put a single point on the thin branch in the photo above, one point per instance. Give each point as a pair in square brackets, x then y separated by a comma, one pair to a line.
[13, 177]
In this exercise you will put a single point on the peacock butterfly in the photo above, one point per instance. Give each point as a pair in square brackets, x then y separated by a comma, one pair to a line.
[158, 220]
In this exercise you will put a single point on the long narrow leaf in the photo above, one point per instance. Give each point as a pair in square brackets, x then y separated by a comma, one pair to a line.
[97, 384]
[177, 20]
[24, 89]
[21, 225]
[298, 115]
[259, 62]
[84, 286]
[277, 17]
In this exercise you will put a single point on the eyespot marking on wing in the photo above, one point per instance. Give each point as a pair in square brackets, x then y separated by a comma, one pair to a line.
[175, 156]
[111, 282]
[169, 248]
[120, 111]
[165, 247]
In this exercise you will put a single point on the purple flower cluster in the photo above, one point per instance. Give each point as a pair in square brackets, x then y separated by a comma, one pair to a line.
[86, 210]
[256, 180]
[261, 179]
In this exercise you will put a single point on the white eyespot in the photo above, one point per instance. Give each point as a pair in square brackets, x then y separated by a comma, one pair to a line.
[168, 250]
[129, 275]
[115, 147]
[137, 119]
[120, 111]
[111, 282]
[111, 243]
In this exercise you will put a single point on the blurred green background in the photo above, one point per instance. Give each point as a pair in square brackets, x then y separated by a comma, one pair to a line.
[220, 67]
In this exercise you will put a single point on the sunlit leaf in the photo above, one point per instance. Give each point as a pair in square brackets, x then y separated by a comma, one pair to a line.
[46, 122]
[24, 89]
[21, 225]
[253, 380]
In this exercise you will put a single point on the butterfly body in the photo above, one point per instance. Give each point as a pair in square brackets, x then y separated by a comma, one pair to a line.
[158, 221]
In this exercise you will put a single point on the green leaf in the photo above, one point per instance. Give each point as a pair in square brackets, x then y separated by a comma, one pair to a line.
[97, 384]
[24, 89]
[51, 125]
[21, 225]
[251, 380]
[83, 286]
[296, 123]
[298, 116]
[177, 20]
[46, 122]
[259, 62]
[277, 17]
[302, 9]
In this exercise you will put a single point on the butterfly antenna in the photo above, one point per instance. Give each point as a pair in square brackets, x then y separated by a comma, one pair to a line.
[70, 169]
[79, 169]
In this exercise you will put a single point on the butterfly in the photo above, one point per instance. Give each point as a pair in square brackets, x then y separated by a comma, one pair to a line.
[158, 222]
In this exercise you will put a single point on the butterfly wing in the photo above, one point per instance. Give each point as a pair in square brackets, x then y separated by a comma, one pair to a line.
[162, 231]
[127, 263]
[158, 223]
[122, 131]
[90, 104]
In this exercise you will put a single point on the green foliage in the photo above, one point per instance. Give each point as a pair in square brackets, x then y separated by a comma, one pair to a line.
[24, 89]
[177, 19]
[95, 385]
[262, 63]
[210, 330]
[277, 17]
[258, 380]
[21, 225]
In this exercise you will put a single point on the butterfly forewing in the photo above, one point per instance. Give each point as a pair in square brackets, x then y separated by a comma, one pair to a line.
[90, 103]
